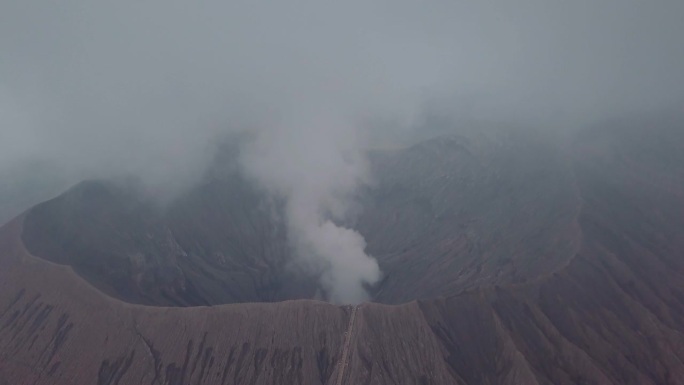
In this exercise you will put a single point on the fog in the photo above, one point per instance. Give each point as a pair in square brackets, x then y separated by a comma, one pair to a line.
[98, 89]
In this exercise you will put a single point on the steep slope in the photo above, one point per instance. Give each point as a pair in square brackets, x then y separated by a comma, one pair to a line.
[460, 212]
[599, 320]
[614, 314]
[609, 310]
[57, 329]
[445, 215]
[217, 244]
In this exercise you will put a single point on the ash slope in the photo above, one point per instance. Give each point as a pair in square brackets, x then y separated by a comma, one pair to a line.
[611, 313]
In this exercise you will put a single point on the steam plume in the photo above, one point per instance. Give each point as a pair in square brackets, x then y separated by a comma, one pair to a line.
[316, 165]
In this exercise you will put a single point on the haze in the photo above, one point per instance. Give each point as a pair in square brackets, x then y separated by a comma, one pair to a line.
[95, 90]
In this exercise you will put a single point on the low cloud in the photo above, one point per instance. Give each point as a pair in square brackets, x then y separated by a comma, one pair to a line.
[98, 89]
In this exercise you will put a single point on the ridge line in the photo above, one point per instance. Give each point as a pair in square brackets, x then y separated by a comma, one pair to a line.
[344, 360]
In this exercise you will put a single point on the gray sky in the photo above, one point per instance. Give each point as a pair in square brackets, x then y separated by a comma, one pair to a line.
[141, 87]
[136, 85]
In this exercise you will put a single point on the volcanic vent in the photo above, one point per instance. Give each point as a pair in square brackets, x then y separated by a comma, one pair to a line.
[453, 213]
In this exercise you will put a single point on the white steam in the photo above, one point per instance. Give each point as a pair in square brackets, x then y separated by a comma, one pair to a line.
[105, 88]
[317, 165]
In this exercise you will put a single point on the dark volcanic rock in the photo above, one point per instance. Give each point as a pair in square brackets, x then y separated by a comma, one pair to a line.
[462, 212]
[217, 244]
[55, 328]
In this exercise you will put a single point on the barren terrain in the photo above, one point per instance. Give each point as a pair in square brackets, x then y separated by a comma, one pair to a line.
[557, 267]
